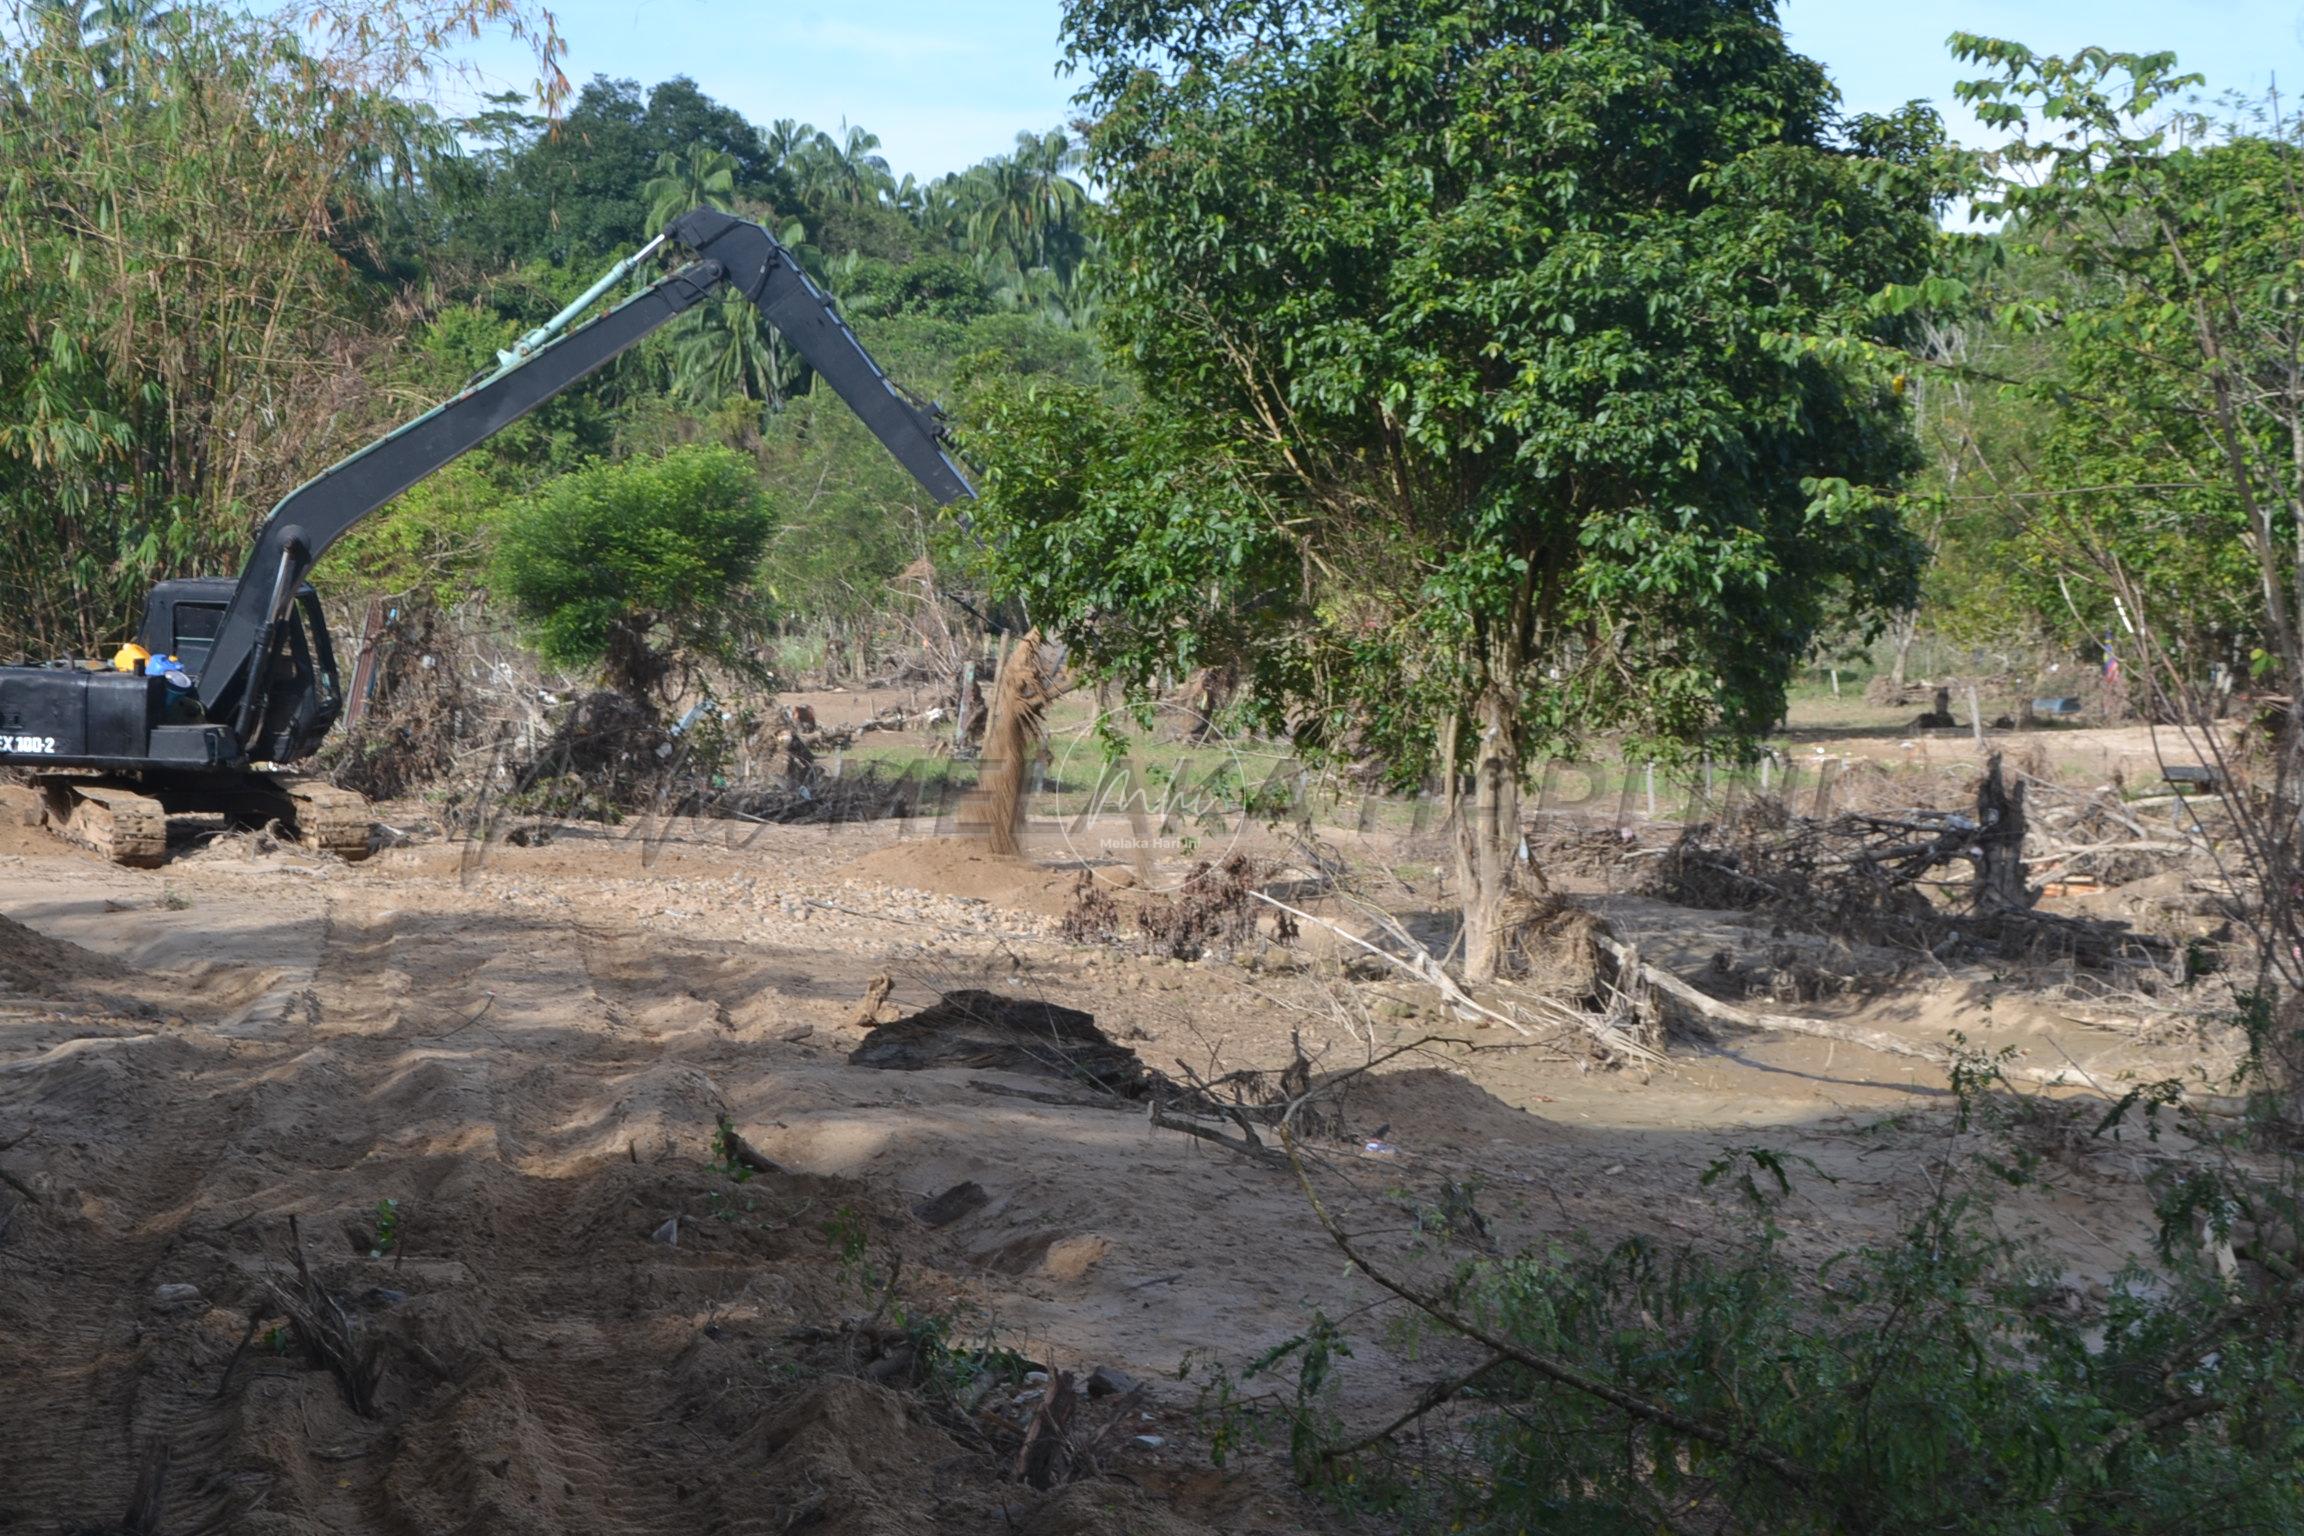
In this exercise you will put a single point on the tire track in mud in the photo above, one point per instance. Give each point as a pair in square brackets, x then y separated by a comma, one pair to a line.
[483, 1095]
[100, 1374]
[537, 1094]
[587, 1436]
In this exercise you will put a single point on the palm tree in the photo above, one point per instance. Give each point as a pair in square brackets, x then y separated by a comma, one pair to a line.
[724, 349]
[1043, 164]
[845, 169]
[1028, 203]
[785, 139]
[701, 178]
[909, 197]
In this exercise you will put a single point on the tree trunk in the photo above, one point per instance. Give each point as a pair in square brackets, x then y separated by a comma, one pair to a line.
[1488, 834]
[1906, 629]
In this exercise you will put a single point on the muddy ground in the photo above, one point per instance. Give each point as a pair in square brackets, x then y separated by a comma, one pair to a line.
[525, 1049]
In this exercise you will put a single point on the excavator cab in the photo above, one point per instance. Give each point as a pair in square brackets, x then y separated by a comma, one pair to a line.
[302, 696]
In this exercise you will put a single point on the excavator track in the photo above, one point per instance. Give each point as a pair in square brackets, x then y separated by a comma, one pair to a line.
[329, 819]
[123, 824]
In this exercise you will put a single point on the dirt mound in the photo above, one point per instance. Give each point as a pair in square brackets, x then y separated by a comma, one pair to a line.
[952, 866]
[35, 965]
[856, 1460]
[989, 1032]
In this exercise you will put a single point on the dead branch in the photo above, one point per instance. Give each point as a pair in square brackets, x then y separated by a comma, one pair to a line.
[1822, 1029]
[735, 1149]
[1254, 1151]
[1045, 1458]
[324, 1330]
[1423, 967]
[1430, 1398]
[1631, 966]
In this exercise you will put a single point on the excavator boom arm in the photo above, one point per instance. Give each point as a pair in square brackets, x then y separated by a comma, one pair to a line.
[729, 251]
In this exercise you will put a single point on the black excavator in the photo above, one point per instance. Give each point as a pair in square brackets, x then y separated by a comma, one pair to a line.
[245, 684]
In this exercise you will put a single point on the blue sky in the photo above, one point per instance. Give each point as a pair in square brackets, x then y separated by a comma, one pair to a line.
[945, 84]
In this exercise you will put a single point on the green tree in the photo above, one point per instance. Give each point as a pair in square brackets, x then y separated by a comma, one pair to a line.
[2168, 496]
[846, 169]
[1508, 373]
[2158, 256]
[636, 565]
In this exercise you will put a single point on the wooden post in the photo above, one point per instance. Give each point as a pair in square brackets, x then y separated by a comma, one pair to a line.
[960, 715]
[1975, 715]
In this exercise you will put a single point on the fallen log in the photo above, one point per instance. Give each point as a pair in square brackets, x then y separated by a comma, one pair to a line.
[1706, 1006]
[1709, 1007]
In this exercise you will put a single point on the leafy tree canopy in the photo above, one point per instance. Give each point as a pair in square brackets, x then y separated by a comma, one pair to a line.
[2153, 268]
[1505, 363]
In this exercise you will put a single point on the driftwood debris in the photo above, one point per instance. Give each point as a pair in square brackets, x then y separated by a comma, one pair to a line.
[1998, 848]
[326, 1330]
[737, 1152]
[1631, 968]
[1605, 1031]
[868, 1007]
[1046, 1457]
[1718, 1012]
[1864, 875]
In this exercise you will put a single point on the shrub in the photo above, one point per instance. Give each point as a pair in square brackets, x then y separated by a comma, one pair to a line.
[1942, 1381]
[628, 566]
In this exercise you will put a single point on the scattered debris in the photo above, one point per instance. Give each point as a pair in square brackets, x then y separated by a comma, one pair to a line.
[667, 1234]
[960, 1200]
[1214, 911]
[326, 1332]
[1865, 875]
[1093, 915]
[731, 1148]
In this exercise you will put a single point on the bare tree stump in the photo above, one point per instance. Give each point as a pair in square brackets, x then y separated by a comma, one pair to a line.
[1999, 883]
[1046, 1457]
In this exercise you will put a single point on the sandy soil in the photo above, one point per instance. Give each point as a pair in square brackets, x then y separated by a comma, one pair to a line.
[526, 1049]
